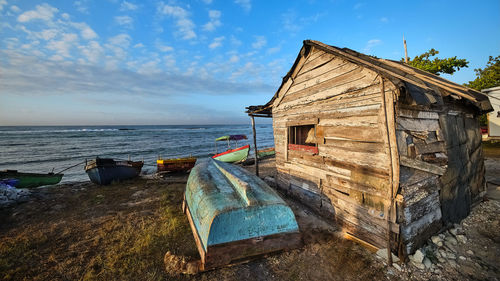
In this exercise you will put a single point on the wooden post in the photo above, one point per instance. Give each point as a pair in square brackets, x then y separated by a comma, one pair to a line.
[406, 51]
[255, 147]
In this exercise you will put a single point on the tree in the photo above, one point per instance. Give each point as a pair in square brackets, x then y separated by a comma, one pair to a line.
[488, 77]
[437, 65]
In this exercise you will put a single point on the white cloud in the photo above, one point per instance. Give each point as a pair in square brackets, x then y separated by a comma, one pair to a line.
[127, 6]
[235, 41]
[86, 32]
[184, 24]
[65, 16]
[207, 1]
[15, 9]
[82, 6]
[122, 40]
[139, 45]
[274, 50]
[92, 51]
[162, 47]
[63, 46]
[214, 22]
[260, 41]
[370, 44]
[217, 42]
[48, 34]
[2, 3]
[245, 4]
[125, 21]
[234, 58]
[384, 19]
[43, 12]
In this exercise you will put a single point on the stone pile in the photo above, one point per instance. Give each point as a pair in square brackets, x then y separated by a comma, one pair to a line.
[10, 195]
[440, 251]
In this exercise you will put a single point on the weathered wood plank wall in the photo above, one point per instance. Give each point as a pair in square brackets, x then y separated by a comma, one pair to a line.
[349, 178]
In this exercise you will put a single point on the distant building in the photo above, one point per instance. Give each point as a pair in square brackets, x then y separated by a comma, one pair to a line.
[393, 153]
[494, 116]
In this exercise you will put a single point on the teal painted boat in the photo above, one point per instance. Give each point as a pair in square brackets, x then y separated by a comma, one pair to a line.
[234, 215]
[31, 180]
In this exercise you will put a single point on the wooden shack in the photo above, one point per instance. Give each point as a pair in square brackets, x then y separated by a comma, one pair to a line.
[391, 152]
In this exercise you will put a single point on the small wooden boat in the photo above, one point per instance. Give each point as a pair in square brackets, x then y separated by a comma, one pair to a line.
[234, 215]
[104, 171]
[175, 165]
[232, 155]
[266, 152]
[31, 180]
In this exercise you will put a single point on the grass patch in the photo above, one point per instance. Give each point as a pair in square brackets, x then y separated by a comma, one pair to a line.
[491, 149]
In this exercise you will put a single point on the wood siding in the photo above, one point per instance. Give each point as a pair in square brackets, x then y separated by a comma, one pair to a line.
[349, 178]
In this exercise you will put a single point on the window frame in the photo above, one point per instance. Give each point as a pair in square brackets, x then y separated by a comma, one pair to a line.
[310, 149]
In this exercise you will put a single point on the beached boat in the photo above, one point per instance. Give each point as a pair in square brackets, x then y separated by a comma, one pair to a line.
[31, 180]
[104, 171]
[232, 155]
[234, 215]
[266, 152]
[175, 165]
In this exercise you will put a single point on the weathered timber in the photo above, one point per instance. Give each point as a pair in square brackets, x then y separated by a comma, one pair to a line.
[421, 165]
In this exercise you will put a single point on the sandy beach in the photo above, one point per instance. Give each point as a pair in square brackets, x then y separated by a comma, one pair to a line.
[122, 232]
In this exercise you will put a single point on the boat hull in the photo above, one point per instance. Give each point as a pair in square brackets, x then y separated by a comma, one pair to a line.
[31, 180]
[107, 173]
[233, 155]
[235, 216]
[178, 165]
[264, 153]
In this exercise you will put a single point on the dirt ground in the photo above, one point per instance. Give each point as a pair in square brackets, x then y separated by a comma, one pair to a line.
[122, 232]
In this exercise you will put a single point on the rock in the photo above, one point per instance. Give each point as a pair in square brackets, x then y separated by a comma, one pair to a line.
[451, 256]
[417, 259]
[453, 231]
[469, 252]
[440, 244]
[442, 253]
[427, 263]
[436, 239]
[452, 240]
[396, 266]
[461, 238]
[192, 267]
[383, 254]
[462, 258]
[452, 263]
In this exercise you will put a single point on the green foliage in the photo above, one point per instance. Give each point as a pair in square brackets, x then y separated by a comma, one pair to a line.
[437, 65]
[488, 77]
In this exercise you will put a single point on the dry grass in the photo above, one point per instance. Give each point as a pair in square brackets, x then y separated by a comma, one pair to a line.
[96, 235]
[491, 149]
[122, 232]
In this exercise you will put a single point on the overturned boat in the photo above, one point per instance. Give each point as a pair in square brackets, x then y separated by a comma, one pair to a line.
[234, 215]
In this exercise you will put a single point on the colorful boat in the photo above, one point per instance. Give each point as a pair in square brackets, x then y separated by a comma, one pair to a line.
[31, 180]
[232, 155]
[266, 152]
[175, 165]
[234, 215]
[104, 171]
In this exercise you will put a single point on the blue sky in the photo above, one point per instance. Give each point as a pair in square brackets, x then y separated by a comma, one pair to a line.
[201, 62]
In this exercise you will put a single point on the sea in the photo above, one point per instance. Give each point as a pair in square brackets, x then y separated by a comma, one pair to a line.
[55, 148]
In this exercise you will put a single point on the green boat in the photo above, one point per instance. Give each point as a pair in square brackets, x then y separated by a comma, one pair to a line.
[232, 155]
[266, 152]
[31, 180]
